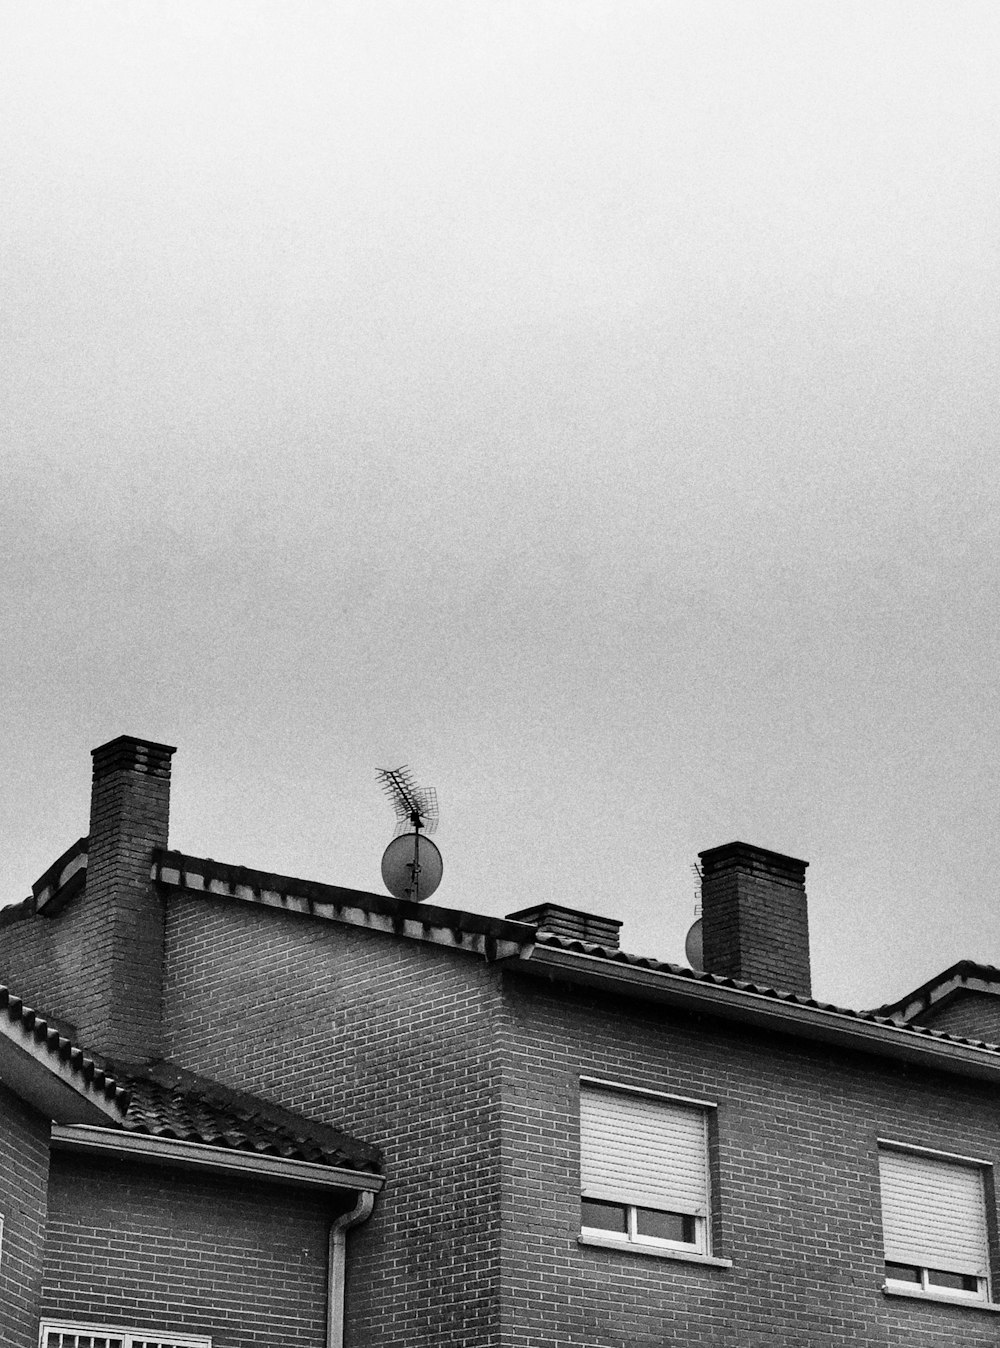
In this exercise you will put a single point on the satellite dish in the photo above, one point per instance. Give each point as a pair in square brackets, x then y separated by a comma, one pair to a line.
[693, 951]
[411, 867]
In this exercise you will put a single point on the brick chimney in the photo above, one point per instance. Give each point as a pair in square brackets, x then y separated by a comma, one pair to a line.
[570, 924]
[754, 921]
[121, 918]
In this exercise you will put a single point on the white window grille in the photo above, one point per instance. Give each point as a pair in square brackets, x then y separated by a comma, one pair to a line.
[643, 1170]
[934, 1225]
[59, 1335]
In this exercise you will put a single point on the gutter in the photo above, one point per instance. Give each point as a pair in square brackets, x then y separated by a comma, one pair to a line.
[337, 1267]
[769, 1013]
[217, 1160]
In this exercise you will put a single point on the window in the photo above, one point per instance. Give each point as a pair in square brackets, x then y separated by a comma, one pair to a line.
[934, 1225]
[643, 1170]
[53, 1335]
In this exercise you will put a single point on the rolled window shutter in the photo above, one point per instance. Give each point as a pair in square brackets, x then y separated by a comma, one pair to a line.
[647, 1152]
[933, 1213]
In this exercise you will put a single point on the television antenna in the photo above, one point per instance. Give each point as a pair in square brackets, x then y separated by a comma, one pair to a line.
[694, 945]
[411, 864]
[699, 876]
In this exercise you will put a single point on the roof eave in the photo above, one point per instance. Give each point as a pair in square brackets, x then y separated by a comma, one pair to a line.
[750, 1008]
[201, 1156]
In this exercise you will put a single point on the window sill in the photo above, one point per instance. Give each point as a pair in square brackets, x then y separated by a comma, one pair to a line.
[966, 1303]
[656, 1251]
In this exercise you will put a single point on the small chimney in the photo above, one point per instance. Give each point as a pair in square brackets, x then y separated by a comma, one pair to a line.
[121, 917]
[755, 926]
[570, 924]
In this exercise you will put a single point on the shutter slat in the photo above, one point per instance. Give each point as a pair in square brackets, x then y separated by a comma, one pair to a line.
[933, 1213]
[650, 1153]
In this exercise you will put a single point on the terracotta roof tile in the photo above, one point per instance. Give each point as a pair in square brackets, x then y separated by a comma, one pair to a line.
[167, 1101]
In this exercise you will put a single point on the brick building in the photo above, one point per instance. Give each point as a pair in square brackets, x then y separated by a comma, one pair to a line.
[581, 1146]
[145, 1205]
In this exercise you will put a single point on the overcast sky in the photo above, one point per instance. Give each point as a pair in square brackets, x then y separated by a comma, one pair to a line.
[592, 405]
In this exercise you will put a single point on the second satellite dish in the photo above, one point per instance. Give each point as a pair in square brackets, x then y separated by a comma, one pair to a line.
[694, 951]
[411, 867]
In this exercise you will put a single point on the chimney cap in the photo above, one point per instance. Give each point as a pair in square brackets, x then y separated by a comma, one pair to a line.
[128, 754]
[733, 853]
[541, 910]
[123, 741]
[570, 924]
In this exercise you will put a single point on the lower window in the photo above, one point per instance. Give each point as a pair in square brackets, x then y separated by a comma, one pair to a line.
[678, 1229]
[53, 1334]
[935, 1280]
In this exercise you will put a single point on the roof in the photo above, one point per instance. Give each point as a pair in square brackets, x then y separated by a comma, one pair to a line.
[880, 1016]
[169, 1102]
[886, 1030]
[56, 1076]
[767, 1008]
[62, 1080]
[521, 945]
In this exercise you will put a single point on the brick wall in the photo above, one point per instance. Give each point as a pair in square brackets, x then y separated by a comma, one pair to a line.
[392, 1041]
[797, 1198]
[469, 1080]
[154, 1248]
[24, 1163]
[40, 962]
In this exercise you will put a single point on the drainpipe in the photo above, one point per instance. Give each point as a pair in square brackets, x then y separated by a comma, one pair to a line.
[337, 1267]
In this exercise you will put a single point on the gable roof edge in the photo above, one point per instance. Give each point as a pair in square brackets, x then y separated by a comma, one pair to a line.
[50, 1072]
[455, 928]
[963, 975]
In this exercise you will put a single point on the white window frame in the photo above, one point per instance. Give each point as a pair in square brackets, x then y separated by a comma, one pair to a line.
[701, 1247]
[631, 1235]
[929, 1289]
[925, 1288]
[130, 1336]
